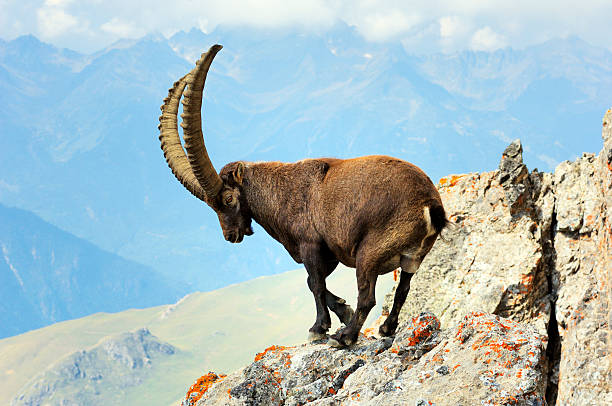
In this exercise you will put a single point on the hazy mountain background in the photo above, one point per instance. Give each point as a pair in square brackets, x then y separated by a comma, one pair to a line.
[48, 275]
[79, 132]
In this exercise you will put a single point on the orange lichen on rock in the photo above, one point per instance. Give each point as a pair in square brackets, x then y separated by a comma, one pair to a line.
[368, 332]
[273, 348]
[422, 329]
[506, 348]
[277, 360]
[437, 358]
[450, 181]
[418, 331]
[527, 280]
[201, 385]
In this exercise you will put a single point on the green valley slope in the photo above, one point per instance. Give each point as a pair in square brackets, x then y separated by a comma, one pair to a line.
[219, 331]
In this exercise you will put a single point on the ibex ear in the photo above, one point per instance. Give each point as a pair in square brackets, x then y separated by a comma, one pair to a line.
[238, 173]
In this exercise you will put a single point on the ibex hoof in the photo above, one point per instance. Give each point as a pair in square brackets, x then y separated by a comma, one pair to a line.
[386, 331]
[312, 336]
[339, 341]
[332, 342]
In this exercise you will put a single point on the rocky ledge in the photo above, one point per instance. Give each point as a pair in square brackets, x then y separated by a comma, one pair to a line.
[495, 359]
[517, 302]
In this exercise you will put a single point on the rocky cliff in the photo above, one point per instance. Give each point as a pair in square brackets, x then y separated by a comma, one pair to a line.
[510, 307]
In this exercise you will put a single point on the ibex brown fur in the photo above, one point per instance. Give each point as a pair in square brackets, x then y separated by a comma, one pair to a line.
[374, 213]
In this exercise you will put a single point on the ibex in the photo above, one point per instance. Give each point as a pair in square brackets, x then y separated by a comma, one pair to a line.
[372, 213]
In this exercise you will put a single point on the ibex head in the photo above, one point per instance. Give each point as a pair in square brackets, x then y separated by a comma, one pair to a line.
[222, 192]
[233, 210]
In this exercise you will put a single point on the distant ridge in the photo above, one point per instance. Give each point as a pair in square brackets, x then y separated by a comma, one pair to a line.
[80, 148]
[48, 275]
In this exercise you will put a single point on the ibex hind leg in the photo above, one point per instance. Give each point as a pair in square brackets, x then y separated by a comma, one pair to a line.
[339, 307]
[409, 267]
[410, 262]
[366, 299]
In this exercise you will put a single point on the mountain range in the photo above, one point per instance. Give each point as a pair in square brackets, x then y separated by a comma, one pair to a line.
[80, 149]
[48, 275]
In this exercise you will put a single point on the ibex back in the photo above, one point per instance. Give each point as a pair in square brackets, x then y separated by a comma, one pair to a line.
[374, 213]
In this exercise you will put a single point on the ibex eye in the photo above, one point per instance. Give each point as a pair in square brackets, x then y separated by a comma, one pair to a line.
[229, 199]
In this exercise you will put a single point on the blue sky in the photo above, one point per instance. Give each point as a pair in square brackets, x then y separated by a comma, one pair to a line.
[422, 25]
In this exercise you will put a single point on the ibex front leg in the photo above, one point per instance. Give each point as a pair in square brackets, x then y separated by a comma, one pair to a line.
[318, 265]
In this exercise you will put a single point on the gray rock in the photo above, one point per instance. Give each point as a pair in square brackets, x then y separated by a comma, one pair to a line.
[583, 264]
[512, 170]
[499, 361]
[496, 256]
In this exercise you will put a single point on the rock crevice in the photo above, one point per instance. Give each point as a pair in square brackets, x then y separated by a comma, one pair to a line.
[553, 351]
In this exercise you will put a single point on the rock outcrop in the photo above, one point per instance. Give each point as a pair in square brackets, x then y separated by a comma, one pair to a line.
[495, 258]
[495, 360]
[114, 364]
[581, 276]
[516, 296]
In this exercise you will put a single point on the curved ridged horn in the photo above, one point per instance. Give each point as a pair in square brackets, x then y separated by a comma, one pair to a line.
[171, 141]
[202, 168]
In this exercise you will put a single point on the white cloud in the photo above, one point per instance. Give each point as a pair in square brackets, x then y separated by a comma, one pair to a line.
[257, 13]
[57, 3]
[122, 29]
[427, 24]
[54, 22]
[550, 161]
[453, 32]
[91, 213]
[485, 39]
[502, 136]
[386, 25]
[450, 26]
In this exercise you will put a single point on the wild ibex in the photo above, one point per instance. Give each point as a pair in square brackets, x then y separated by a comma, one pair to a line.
[373, 213]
